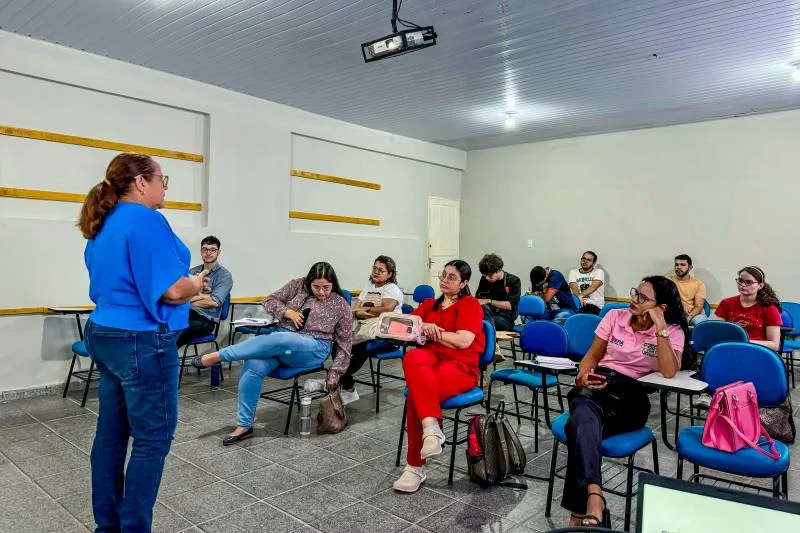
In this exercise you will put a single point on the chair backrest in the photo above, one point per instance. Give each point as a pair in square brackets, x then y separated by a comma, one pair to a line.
[406, 309]
[577, 301]
[544, 338]
[531, 306]
[794, 310]
[733, 361]
[226, 305]
[422, 293]
[580, 332]
[613, 305]
[786, 319]
[707, 334]
[706, 308]
[347, 296]
[487, 356]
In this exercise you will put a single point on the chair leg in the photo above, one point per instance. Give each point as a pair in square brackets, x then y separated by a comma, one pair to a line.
[678, 415]
[88, 382]
[629, 493]
[535, 402]
[221, 374]
[696, 472]
[295, 393]
[679, 473]
[69, 375]
[776, 487]
[785, 481]
[655, 456]
[489, 396]
[453, 448]
[196, 354]
[516, 404]
[377, 381]
[551, 479]
[402, 429]
[372, 375]
[560, 397]
[183, 365]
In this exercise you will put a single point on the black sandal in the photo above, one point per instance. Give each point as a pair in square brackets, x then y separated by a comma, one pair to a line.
[605, 515]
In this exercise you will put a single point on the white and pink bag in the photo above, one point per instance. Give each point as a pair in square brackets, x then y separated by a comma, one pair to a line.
[407, 328]
[733, 421]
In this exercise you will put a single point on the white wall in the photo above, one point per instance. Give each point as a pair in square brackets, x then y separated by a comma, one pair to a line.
[247, 143]
[723, 191]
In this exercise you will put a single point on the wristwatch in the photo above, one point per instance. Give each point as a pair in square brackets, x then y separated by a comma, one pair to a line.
[663, 333]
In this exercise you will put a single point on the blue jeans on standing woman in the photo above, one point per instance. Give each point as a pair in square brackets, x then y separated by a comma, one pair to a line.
[138, 394]
[263, 354]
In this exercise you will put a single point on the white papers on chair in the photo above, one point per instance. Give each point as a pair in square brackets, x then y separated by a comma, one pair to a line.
[554, 362]
[252, 321]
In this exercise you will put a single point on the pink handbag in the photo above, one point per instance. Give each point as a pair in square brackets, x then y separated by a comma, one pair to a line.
[733, 421]
[400, 327]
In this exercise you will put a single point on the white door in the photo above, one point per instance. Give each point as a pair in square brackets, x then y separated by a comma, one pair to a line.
[444, 215]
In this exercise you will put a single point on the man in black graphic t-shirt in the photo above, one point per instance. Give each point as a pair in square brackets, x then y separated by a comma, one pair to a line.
[498, 292]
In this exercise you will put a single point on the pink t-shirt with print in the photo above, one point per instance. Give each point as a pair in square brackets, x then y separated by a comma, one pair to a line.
[629, 352]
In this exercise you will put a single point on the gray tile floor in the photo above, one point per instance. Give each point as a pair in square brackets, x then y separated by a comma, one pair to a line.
[271, 482]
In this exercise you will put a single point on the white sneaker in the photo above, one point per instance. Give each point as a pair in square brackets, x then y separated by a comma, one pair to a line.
[410, 481]
[314, 385]
[348, 396]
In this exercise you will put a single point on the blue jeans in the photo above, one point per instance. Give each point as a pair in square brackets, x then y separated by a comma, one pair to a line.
[138, 395]
[263, 354]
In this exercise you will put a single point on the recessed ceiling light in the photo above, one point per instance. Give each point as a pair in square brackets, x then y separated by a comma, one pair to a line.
[511, 120]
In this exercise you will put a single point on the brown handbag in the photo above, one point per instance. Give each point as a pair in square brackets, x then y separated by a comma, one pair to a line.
[332, 416]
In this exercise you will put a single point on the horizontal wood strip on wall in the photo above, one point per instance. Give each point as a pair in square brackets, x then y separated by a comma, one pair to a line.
[335, 179]
[55, 196]
[334, 218]
[98, 143]
[622, 300]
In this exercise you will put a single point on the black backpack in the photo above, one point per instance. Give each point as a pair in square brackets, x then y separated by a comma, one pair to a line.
[494, 451]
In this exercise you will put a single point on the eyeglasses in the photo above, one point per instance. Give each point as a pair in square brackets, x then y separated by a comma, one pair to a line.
[452, 278]
[639, 298]
[205, 250]
[322, 288]
[378, 270]
[586, 259]
[164, 179]
[745, 282]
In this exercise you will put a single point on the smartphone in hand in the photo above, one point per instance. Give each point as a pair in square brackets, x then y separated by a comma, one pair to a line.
[597, 378]
[306, 312]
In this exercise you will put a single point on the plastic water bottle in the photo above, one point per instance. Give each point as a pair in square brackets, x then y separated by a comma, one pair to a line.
[215, 375]
[305, 416]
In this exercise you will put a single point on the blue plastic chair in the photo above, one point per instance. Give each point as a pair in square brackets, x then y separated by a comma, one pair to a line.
[467, 399]
[347, 296]
[538, 338]
[787, 347]
[211, 338]
[613, 305]
[623, 446]
[580, 330]
[706, 308]
[79, 349]
[531, 307]
[724, 364]
[711, 332]
[422, 293]
[407, 309]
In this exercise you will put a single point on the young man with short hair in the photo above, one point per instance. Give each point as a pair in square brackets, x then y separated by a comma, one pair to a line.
[691, 289]
[554, 290]
[206, 307]
[586, 282]
[498, 292]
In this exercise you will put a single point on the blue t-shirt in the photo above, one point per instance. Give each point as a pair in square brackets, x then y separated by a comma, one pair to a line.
[132, 262]
[563, 297]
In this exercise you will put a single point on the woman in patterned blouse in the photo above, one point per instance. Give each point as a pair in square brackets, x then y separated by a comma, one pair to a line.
[313, 316]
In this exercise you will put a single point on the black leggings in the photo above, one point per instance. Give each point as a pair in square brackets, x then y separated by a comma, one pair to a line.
[621, 407]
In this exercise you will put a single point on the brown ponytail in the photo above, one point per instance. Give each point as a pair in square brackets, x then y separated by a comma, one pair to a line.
[102, 198]
[766, 295]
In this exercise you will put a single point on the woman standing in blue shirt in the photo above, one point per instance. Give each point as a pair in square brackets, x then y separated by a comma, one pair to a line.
[137, 279]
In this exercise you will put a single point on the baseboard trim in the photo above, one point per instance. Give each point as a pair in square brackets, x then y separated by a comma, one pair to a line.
[30, 392]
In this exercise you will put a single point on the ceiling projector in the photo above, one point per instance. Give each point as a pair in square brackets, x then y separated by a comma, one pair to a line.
[400, 42]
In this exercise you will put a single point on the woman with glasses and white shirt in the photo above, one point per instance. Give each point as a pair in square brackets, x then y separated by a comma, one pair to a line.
[607, 399]
[382, 294]
[446, 366]
[756, 308]
[313, 316]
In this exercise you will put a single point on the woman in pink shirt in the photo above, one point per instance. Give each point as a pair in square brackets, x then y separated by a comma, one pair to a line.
[607, 399]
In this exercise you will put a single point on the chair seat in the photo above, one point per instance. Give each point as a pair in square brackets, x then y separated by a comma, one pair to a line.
[290, 372]
[621, 445]
[790, 346]
[201, 340]
[397, 354]
[79, 347]
[525, 378]
[471, 397]
[745, 462]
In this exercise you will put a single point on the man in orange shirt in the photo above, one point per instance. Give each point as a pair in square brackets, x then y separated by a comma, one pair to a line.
[692, 290]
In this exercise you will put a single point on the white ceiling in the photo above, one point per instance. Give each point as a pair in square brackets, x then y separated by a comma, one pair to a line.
[568, 67]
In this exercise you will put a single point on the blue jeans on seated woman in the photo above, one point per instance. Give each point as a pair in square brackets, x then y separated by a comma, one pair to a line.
[138, 394]
[262, 355]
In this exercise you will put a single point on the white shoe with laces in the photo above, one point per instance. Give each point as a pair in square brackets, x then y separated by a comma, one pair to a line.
[314, 385]
[348, 396]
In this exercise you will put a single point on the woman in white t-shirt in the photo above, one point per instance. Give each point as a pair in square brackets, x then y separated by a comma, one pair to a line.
[382, 294]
